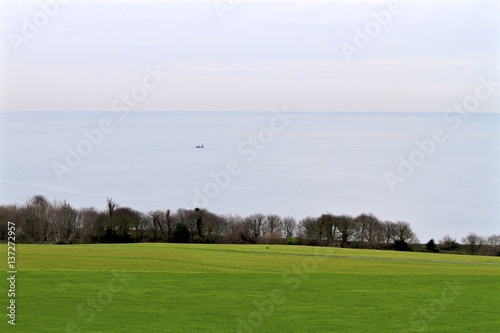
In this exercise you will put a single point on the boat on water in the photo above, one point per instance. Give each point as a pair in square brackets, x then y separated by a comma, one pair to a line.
[199, 146]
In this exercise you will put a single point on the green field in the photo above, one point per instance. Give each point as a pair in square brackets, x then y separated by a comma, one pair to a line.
[249, 288]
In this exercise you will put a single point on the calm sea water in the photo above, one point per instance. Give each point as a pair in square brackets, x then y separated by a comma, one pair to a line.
[259, 162]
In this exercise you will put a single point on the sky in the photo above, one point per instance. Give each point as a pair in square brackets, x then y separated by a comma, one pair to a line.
[252, 55]
[247, 55]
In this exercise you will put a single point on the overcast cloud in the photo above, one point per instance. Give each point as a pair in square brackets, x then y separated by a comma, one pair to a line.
[262, 54]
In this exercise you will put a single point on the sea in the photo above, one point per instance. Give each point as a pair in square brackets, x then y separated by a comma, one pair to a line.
[438, 171]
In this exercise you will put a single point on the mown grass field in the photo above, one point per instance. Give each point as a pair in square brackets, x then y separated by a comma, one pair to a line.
[249, 288]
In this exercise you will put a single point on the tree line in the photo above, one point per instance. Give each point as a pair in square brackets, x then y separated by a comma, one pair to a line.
[39, 220]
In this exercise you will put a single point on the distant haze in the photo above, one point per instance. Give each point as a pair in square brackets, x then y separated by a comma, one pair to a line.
[256, 162]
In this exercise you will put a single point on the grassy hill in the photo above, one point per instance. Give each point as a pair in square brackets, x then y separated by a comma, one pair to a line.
[250, 288]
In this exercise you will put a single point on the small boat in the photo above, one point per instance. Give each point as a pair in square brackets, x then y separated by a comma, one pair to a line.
[199, 146]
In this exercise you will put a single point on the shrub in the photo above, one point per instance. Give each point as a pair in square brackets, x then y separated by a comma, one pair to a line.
[181, 234]
[431, 246]
[400, 245]
[293, 241]
[448, 243]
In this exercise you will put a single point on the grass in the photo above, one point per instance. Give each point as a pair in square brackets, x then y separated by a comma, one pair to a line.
[250, 288]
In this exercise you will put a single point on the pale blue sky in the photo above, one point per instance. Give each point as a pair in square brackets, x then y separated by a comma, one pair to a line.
[264, 54]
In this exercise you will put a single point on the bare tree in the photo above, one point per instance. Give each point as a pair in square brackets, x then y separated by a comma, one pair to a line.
[35, 212]
[289, 226]
[347, 227]
[38, 220]
[389, 233]
[256, 221]
[112, 206]
[123, 221]
[310, 230]
[473, 242]
[404, 233]
[169, 225]
[92, 230]
[448, 243]
[199, 223]
[238, 229]
[328, 228]
[156, 218]
[188, 218]
[368, 228]
[273, 227]
[9, 213]
[494, 242]
[192, 223]
[214, 226]
[68, 222]
[140, 226]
